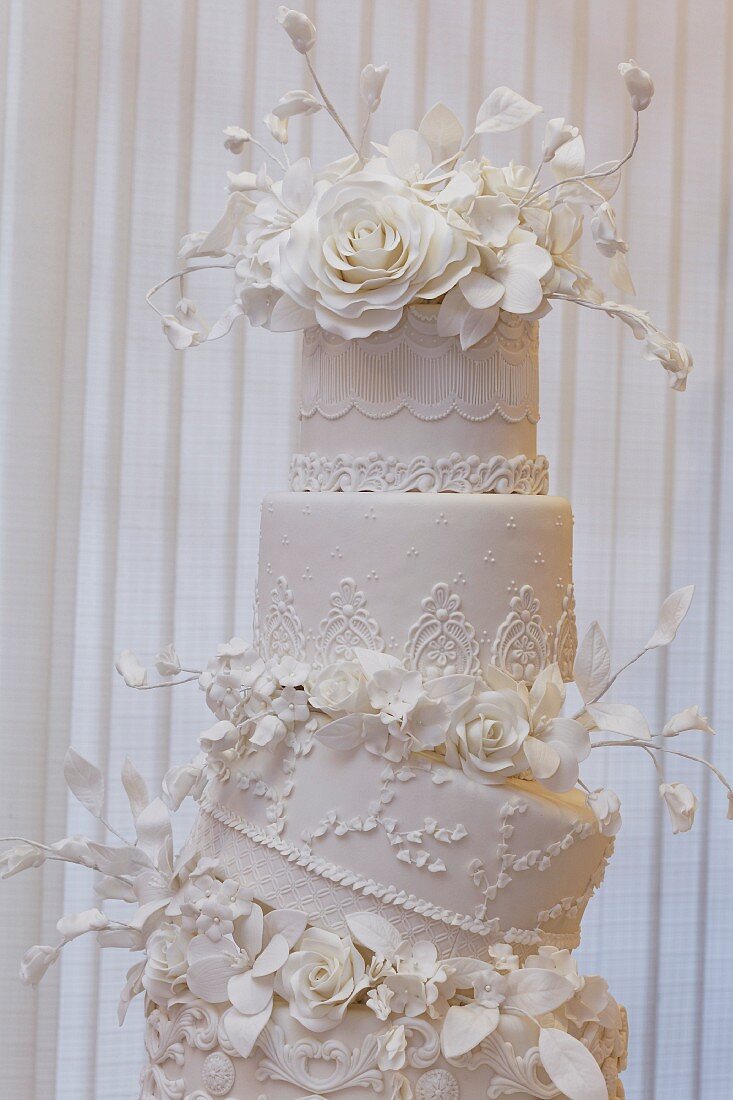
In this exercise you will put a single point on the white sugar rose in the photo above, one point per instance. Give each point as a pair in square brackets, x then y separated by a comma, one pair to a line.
[321, 978]
[366, 249]
[339, 689]
[487, 740]
[167, 963]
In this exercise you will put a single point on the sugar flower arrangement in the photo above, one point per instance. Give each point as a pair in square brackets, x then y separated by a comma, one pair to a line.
[492, 727]
[419, 218]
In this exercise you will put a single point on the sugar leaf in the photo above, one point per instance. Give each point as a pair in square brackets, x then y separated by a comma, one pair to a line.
[85, 781]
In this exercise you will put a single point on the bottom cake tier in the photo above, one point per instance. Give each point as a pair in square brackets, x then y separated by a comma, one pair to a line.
[192, 1058]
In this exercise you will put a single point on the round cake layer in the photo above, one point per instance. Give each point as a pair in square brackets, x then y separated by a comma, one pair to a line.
[439, 855]
[413, 392]
[189, 1051]
[447, 582]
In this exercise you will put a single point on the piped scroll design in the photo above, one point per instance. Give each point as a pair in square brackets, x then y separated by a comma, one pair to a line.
[377, 473]
[344, 1066]
[193, 1024]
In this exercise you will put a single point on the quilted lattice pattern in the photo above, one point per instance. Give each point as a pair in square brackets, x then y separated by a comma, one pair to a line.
[284, 884]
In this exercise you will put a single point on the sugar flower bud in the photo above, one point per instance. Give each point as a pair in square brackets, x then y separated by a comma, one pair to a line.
[180, 337]
[127, 664]
[36, 962]
[235, 138]
[681, 804]
[278, 128]
[298, 102]
[690, 718]
[371, 84]
[15, 860]
[298, 27]
[242, 181]
[674, 357]
[639, 84]
[557, 133]
[607, 809]
[605, 232]
[167, 662]
[78, 924]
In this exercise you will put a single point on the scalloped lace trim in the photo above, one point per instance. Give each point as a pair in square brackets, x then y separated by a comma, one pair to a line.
[441, 642]
[376, 473]
[431, 376]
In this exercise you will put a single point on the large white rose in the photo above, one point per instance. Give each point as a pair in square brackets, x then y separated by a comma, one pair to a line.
[487, 740]
[367, 248]
[339, 689]
[167, 963]
[321, 978]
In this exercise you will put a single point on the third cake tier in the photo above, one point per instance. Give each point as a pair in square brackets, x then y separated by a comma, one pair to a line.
[449, 583]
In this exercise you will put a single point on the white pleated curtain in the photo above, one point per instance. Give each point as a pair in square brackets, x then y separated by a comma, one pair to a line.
[131, 476]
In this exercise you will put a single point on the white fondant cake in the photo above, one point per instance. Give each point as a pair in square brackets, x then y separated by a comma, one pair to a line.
[451, 580]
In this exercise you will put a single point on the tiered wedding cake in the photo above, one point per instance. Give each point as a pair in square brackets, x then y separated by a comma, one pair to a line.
[394, 848]
[429, 545]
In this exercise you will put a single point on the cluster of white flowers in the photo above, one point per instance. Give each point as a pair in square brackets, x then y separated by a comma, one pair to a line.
[418, 219]
[491, 727]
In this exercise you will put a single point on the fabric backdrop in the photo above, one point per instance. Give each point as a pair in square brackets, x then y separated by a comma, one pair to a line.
[131, 477]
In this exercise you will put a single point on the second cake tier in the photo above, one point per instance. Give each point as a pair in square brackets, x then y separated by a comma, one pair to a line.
[448, 583]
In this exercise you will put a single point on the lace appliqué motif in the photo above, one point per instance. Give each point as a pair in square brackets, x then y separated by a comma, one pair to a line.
[348, 626]
[442, 642]
[521, 645]
[566, 636]
[282, 632]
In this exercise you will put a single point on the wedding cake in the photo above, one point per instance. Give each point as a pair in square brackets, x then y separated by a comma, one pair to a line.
[394, 848]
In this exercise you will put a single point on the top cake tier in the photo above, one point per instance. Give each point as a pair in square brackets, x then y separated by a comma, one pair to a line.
[410, 410]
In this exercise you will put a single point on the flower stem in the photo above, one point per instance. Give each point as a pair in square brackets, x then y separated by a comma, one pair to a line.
[268, 153]
[330, 107]
[169, 684]
[609, 685]
[179, 275]
[650, 745]
[589, 175]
